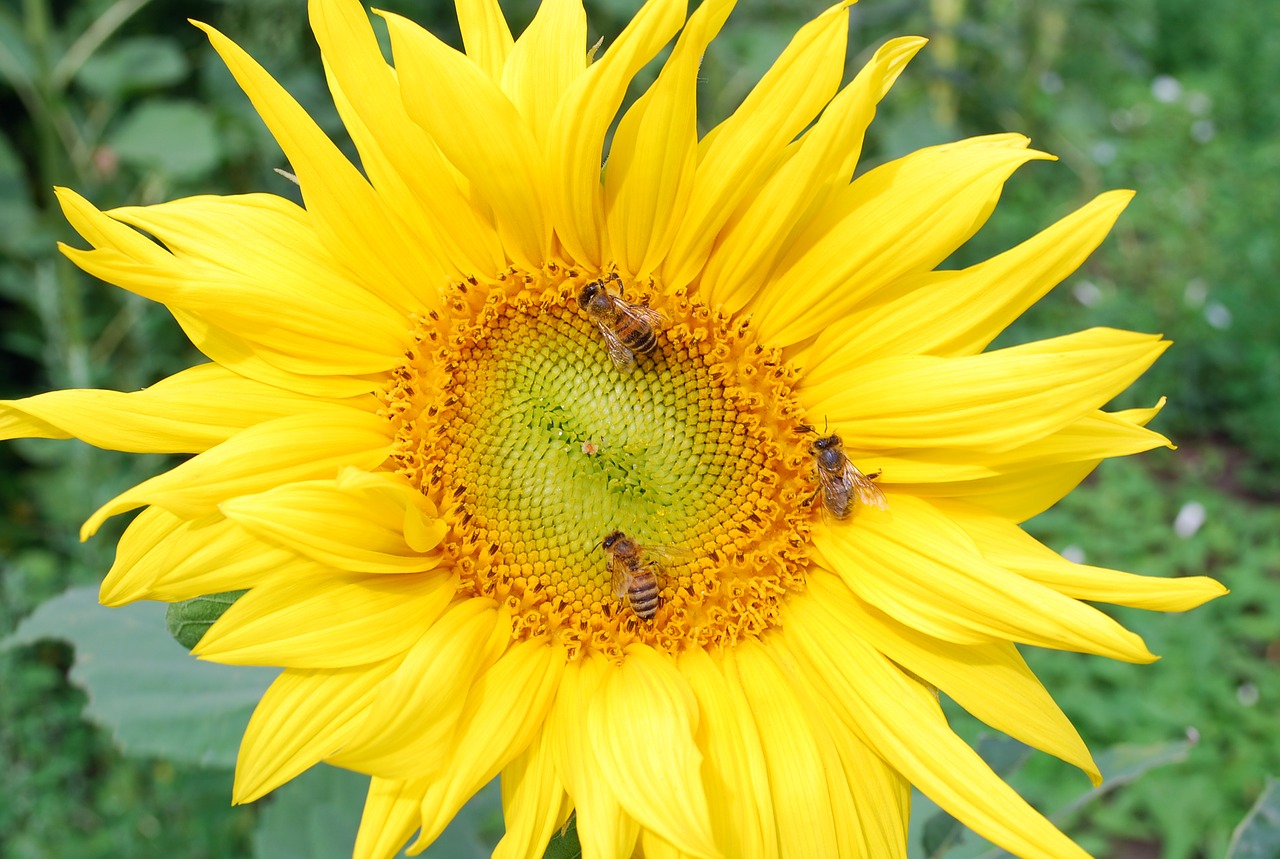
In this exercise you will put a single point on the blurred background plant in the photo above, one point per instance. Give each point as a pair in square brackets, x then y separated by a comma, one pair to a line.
[125, 102]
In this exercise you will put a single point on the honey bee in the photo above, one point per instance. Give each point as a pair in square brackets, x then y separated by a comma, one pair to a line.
[628, 328]
[840, 482]
[634, 577]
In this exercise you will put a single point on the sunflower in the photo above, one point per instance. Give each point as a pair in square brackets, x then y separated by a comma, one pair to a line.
[673, 492]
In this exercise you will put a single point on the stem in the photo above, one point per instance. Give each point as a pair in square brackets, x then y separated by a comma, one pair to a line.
[92, 38]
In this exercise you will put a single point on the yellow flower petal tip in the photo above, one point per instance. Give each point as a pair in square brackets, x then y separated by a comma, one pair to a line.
[675, 492]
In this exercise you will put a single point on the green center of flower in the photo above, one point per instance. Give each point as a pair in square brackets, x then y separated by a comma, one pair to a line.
[514, 419]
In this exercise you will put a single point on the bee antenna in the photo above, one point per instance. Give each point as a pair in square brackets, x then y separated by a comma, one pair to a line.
[805, 428]
[825, 425]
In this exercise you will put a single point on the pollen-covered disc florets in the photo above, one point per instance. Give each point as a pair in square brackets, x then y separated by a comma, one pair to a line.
[510, 415]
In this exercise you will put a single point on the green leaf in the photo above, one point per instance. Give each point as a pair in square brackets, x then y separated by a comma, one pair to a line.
[1124, 763]
[133, 65]
[153, 696]
[564, 844]
[316, 816]
[1258, 835]
[17, 215]
[189, 620]
[17, 66]
[174, 137]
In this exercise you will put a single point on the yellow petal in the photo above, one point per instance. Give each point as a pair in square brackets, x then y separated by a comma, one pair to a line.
[649, 176]
[188, 412]
[550, 55]
[917, 566]
[165, 557]
[485, 34]
[274, 288]
[742, 149]
[355, 522]
[392, 811]
[870, 801]
[1023, 708]
[822, 163]
[648, 697]
[268, 454]
[504, 713]
[604, 829]
[582, 119]
[1004, 543]
[1035, 478]
[905, 216]
[993, 402]
[481, 133]
[532, 799]
[733, 767]
[303, 717]
[949, 313]
[415, 716]
[794, 755]
[327, 622]
[900, 719]
[402, 161]
[357, 227]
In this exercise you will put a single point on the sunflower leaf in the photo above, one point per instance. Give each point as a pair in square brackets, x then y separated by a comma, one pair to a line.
[152, 696]
[189, 620]
[564, 844]
[1258, 835]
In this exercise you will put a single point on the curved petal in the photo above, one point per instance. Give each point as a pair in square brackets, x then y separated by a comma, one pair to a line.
[917, 566]
[822, 163]
[741, 150]
[582, 119]
[392, 811]
[327, 622]
[418, 710]
[304, 716]
[646, 696]
[533, 801]
[550, 55]
[504, 713]
[485, 34]
[900, 719]
[347, 214]
[870, 801]
[401, 160]
[649, 176]
[952, 313]
[905, 216]
[165, 557]
[793, 754]
[737, 783]
[273, 288]
[189, 412]
[285, 450]
[1004, 543]
[1022, 708]
[604, 829]
[480, 132]
[995, 401]
[365, 523]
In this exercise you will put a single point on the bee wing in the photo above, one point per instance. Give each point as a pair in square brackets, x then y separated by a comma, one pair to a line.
[620, 577]
[641, 313]
[623, 358]
[864, 488]
[664, 555]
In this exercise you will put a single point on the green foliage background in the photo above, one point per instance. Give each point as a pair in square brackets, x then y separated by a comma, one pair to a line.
[123, 101]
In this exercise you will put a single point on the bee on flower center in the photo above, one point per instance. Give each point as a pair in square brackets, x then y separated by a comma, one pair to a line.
[628, 329]
[635, 577]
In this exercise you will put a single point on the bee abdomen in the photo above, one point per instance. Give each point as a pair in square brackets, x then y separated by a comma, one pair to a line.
[641, 340]
[643, 597]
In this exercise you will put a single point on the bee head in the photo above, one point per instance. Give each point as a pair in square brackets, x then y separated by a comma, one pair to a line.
[825, 443]
[589, 292]
[612, 538]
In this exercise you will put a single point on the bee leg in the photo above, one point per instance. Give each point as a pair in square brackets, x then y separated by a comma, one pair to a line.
[812, 498]
[875, 474]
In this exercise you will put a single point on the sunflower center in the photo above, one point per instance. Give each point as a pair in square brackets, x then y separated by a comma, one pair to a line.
[511, 415]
